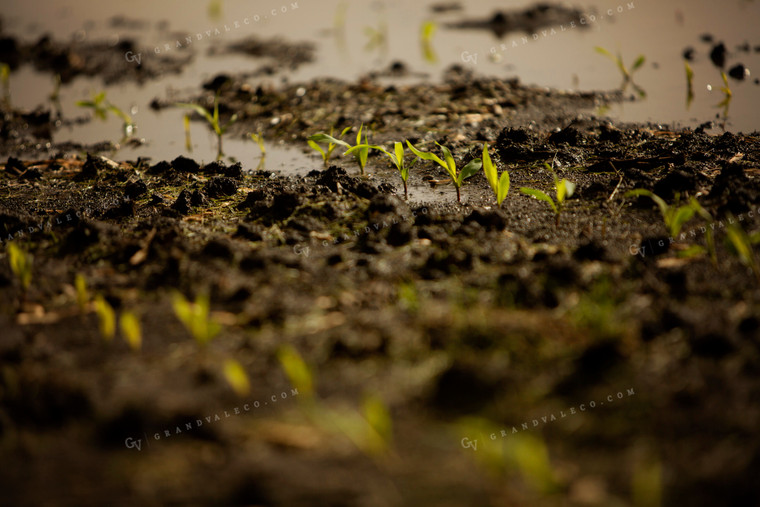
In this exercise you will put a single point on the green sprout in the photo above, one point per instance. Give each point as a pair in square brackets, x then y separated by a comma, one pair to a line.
[376, 37]
[131, 330]
[674, 216]
[361, 153]
[427, 30]
[106, 318]
[101, 107]
[450, 165]
[397, 159]
[563, 190]
[332, 143]
[742, 246]
[188, 140]
[55, 95]
[627, 73]
[236, 377]
[499, 185]
[258, 138]
[5, 79]
[195, 317]
[379, 429]
[727, 95]
[21, 264]
[709, 235]
[213, 120]
[83, 298]
[297, 370]
[689, 84]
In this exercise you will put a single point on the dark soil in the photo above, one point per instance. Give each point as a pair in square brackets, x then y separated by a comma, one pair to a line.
[465, 319]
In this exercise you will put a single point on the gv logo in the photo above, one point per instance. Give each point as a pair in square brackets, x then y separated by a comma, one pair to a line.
[131, 57]
[131, 444]
[469, 58]
[470, 444]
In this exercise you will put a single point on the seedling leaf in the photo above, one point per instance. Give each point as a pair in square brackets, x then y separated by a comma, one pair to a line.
[540, 196]
[236, 377]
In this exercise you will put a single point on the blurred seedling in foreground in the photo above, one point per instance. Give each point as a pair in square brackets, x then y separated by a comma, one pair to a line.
[196, 317]
[370, 430]
[106, 318]
[21, 264]
[563, 190]
[131, 330]
[236, 377]
[689, 84]
[742, 245]
[101, 107]
[674, 216]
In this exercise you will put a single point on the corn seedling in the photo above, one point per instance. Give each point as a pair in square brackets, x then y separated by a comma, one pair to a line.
[450, 165]
[131, 330]
[689, 84]
[397, 158]
[332, 143]
[5, 79]
[101, 107]
[742, 246]
[259, 139]
[709, 234]
[379, 430]
[499, 185]
[727, 95]
[625, 71]
[196, 317]
[563, 190]
[83, 298]
[106, 318]
[212, 118]
[674, 216]
[297, 370]
[21, 264]
[55, 95]
[377, 38]
[360, 154]
[236, 377]
[426, 41]
[188, 139]
[215, 9]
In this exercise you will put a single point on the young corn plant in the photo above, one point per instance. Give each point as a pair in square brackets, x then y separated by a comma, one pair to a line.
[236, 377]
[83, 298]
[689, 84]
[360, 154]
[427, 30]
[188, 139]
[397, 158]
[709, 231]
[106, 318]
[101, 107]
[499, 185]
[625, 71]
[563, 190]
[450, 165]
[212, 118]
[674, 216]
[727, 95]
[332, 143]
[131, 330]
[196, 317]
[258, 138]
[742, 245]
[5, 79]
[21, 265]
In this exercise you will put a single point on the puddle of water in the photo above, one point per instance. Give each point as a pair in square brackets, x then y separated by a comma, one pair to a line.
[565, 60]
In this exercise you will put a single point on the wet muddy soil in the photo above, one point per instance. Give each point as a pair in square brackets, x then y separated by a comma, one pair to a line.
[594, 360]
